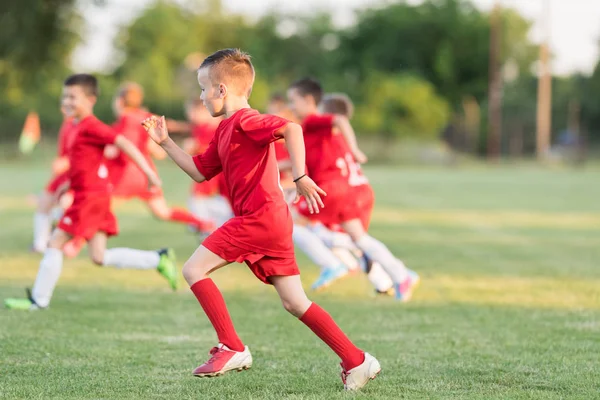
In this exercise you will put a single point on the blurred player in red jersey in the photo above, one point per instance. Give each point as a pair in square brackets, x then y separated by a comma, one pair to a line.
[127, 179]
[303, 237]
[261, 231]
[50, 198]
[333, 159]
[340, 242]
[206, 201]
[90, 216]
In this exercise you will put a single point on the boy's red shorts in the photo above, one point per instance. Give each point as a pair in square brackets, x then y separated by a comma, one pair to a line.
[262, 266]
[342, 205]
[90, 213]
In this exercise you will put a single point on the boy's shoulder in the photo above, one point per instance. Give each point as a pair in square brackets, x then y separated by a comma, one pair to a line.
[251, 120]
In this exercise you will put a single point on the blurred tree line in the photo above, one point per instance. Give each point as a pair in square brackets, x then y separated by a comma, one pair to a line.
[414, 71]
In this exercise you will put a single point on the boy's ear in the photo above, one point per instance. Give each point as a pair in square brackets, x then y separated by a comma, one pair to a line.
[222, 90]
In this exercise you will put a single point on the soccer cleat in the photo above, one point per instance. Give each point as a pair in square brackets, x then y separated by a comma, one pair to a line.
[328, 276]
[359, 376]
[223, 360]
[390, 292]
[22, 304]
[405, 289]
[167, 267]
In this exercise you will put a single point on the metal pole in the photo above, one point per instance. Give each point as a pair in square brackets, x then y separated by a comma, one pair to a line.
[544, 96]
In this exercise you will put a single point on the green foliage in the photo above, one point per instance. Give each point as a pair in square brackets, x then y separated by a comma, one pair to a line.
[402, 106]
[408, 67]
[36, 41]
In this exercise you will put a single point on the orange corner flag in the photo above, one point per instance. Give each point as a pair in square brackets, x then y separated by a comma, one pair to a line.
[31, 133]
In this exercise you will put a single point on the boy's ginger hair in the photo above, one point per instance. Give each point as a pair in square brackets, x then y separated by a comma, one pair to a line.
[232, 67]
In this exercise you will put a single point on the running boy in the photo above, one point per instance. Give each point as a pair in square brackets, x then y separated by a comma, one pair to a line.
[332, 159]
[90, 216]
[260, 233]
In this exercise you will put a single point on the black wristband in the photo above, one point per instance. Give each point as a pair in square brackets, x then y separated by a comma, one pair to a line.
[298, 178]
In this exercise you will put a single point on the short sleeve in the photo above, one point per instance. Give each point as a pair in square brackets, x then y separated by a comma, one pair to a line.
[209, 162]
[263, 128]
[318, 122]
[100, 133]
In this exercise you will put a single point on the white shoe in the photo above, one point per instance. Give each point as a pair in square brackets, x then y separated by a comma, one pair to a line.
[359, 376]
[223, 360]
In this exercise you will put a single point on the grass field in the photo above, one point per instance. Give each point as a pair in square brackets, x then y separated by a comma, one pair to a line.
[508, 308]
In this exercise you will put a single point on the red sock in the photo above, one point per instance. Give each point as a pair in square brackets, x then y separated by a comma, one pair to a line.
[183, 216]
[321, 323]
[213, 304]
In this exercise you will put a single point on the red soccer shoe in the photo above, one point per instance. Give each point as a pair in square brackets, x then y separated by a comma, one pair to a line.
[223, 360]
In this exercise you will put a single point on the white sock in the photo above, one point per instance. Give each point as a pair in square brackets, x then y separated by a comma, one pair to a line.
[47, 277]
[122, 257]
[379, 278]
[378, 252]
[333, 239]
[41, 231]
[314, 248]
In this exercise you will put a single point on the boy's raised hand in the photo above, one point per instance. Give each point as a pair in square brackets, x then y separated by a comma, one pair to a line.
[312, 193]
[156, 128]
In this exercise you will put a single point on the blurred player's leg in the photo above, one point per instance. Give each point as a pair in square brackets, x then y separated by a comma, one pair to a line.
[357, 366]
[159, 207]
[377, 251]
[42, 222]
[332, 268]
[230, 353]
[332, 239]
[125, 258]
[47, 276]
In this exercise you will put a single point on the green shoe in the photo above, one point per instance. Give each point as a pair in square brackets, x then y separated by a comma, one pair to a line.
[167, 267]
[19, 304]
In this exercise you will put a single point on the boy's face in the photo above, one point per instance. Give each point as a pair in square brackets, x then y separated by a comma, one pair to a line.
[212, 95]
[300, 105]
[76, 103]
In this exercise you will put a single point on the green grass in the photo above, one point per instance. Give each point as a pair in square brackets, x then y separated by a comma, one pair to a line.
[509, 306]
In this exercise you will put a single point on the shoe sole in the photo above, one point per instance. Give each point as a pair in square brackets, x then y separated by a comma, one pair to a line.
[371, 378]
[220, 373]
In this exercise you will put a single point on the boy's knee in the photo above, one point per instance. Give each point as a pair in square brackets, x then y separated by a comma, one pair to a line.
[296, 308]
[192, 272]
[97, 259]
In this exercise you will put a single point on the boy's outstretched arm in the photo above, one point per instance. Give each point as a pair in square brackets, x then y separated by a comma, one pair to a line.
[131, 151]
[305, 186]
[343, 124]
[157, 129]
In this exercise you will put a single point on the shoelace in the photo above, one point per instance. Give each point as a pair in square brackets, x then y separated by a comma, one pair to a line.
[344, 374]
[216, 353]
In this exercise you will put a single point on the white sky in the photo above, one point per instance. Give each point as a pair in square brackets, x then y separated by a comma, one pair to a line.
[574, 38]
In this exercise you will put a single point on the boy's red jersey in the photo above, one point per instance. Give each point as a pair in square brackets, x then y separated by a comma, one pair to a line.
[66, 137]
[241, 149]
[203, 135]
[86, 158]
[129, 125]
[328, 156]
[331, 165]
